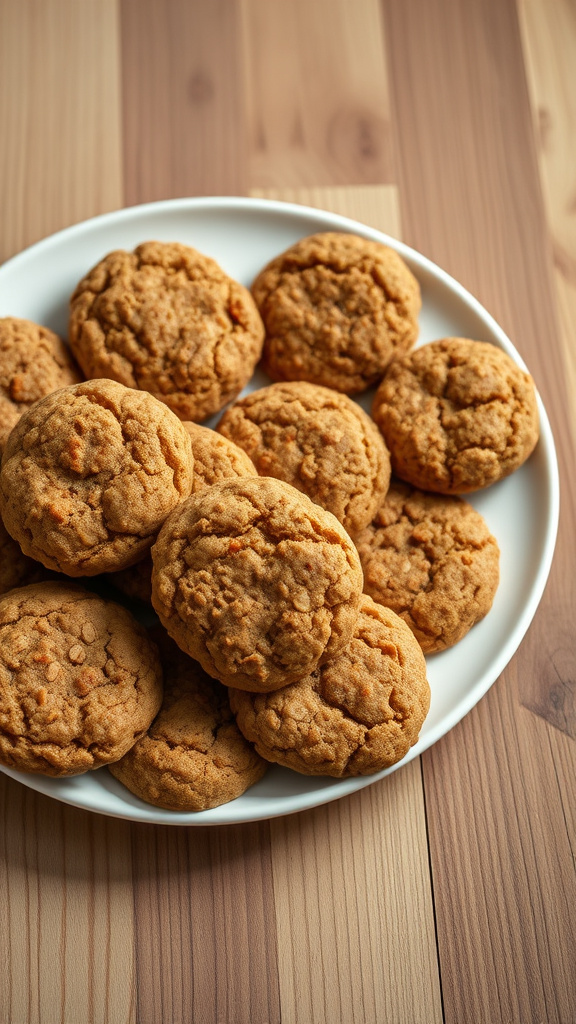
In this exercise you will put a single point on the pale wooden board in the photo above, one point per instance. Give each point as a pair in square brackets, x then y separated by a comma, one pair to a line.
[65, 888]
[352, 892]
[316, 93]
[497, 785]
[182, 101]
[60, 158]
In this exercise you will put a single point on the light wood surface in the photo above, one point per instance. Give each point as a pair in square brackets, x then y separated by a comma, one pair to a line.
[445, 893]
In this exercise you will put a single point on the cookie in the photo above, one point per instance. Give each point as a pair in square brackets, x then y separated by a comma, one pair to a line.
[216, 458]
[457, 415]
[193, 756]
[33, 362]
[16, 569]
[355, 715]
[256, 582]
[319, 441]
[80, 681]
[167, 319]
[336, 308]
[89, 475]
[433, 560]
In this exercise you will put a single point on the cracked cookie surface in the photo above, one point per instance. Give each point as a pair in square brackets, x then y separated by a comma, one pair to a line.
[356, 715]
[89, 475]
[433, 560]
[167, 319]
[193, 756]
[457, 415]
[80, 681]
[319, 441]
[256, 582]
[33, 362]
[336, 308]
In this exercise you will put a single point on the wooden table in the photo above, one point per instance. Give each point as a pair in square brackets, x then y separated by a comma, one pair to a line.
[446, 892]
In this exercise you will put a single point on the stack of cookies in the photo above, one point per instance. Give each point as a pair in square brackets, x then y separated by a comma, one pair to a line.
[297, 582]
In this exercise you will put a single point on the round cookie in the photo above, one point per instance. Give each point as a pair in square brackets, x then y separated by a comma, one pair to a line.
[336, 308]
[80, 681]
[355, 715]
[256, 582]
[216, 458]
[33, 362]
[89, 475]
[167, 319]
[318, 440]
[457, 415]
[16, 569]
[193, 756]
[433, 560]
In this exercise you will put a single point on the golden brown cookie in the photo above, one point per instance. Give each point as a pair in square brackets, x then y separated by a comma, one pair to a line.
[457, 415]
[89, 475]
[336, 308]
[168, 320]
[319, 441]
[216, 458]
[256, 582]
[355, 715]
[193, 756]
[16, 569]
[33, 362]
[80, 681]
[433, 560]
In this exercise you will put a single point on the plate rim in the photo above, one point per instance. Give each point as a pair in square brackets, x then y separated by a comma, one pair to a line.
[148, 814]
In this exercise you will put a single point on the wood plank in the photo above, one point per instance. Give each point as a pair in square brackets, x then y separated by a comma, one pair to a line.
[182, 108]
[386, 968]
[496, 785]
[60, 159]
[64, 875]
[316, 114]
[206, 944]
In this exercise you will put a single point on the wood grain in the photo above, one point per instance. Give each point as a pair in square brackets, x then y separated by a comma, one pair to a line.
[376, 205]
[316, 113]
[500, 845]
[60, 160]
[182, 105]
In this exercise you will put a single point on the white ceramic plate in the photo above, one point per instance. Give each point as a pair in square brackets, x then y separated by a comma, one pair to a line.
[521, 511]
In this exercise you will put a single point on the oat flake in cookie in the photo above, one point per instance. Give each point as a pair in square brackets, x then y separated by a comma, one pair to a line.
[89, 475]
[457, 415]
[193, 756]
[167, 319]
[256, 582]
[336, 308]
[356, 715]
[80, 681]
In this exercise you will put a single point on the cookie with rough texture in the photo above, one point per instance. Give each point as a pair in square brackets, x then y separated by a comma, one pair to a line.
[433, 560]
[80, 681]
[356, 715]
[89, 475]
[336, 308]
[457, 415]
[318, 440]
[193, 756]
[16, 569]
[256, 582]
[216, 458]
[167, 319]
[33, 362]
